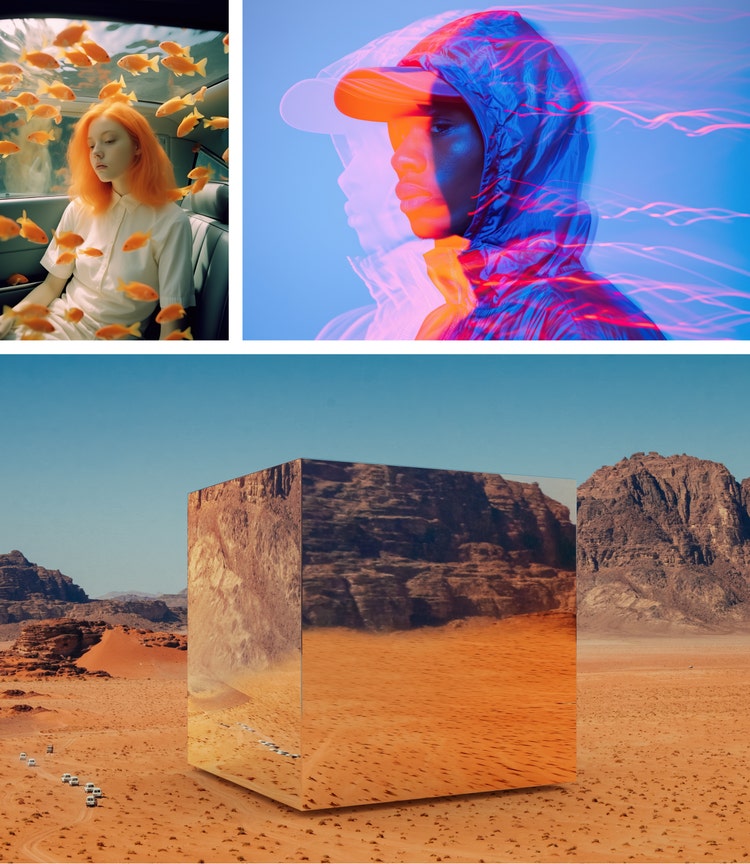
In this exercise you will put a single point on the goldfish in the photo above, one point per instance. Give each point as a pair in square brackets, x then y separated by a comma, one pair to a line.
[138, 291]
[196, 186]
[174, 49]
[26, 99]
[31, 231]
[8, 147]
[189, 121]
[58, 90]
[203, 171]
[70, 35]
[28, 310]
[8, 106]
[112, 88]
[78, 58]
[135, 241]
[117, 331]
[11, 69]
[9, 82]
[217, 123]
[184, 66]
[45, 112]
[173, 312]
[137, 63]
[28, 336]
[40, 59]
[176, 103]
[179, 334]
[39, 325]
[90, 250]
[199, 94]
[225, 155]
[123, 97]
[66, 258]
[16, 279]
[74, 315]
[41, 137]
[8, 228]
[95, 52]
[68, 239]
[225, 43]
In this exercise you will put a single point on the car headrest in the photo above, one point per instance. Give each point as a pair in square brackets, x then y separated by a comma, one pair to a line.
[212, 201]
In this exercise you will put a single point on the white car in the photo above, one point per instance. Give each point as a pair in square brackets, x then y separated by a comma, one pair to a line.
[22, 757]
[89, 788]
[73, 781]
[31, 763]
[90, 801]
[98, 792]
[66, 777]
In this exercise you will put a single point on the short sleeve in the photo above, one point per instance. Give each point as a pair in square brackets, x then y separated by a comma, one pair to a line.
[175, 261]
[68, 222]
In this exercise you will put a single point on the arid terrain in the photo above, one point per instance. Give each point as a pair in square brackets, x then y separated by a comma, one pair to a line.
[663, 772]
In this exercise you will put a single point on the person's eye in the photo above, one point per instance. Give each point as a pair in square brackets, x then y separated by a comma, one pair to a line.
[440, 126]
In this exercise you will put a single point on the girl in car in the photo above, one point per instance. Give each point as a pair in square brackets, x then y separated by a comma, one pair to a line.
[123, 246]
[488, 128]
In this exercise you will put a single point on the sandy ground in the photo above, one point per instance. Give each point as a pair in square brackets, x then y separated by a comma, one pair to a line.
[663, 775]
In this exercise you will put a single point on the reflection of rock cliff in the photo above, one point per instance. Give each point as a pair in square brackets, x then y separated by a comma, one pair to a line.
[392, 548]
[663, 541]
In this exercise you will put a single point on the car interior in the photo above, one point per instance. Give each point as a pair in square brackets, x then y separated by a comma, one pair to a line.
[195, 135]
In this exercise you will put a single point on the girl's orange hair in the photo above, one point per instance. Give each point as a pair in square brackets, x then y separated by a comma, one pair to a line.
[151, 177]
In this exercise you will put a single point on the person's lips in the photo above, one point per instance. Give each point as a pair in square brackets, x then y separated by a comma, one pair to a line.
[408, 191]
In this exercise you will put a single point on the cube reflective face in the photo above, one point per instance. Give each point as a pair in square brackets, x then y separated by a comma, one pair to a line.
[368, 633]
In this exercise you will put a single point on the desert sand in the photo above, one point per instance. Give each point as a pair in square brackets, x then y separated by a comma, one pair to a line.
[663, 774]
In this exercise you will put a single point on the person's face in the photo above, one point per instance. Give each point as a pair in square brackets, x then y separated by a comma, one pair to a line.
[111, 150]
[438, 155]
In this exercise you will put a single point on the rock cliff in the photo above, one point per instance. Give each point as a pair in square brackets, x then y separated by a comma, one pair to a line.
[391, 548]
[663, 542]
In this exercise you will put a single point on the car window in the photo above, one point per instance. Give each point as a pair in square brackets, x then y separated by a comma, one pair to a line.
[52, 69]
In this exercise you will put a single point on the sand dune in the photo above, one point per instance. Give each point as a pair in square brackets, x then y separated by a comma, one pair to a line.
[123, 655]
[663, 775]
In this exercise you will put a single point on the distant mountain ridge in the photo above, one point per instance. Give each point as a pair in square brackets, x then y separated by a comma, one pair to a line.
[663, 543]
[31, 592]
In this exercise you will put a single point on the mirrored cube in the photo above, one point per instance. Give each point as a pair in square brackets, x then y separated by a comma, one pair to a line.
[369, 633]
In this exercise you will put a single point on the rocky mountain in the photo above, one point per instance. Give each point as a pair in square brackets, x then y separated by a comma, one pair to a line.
[28, 591]
[391, 548]
[663, 543]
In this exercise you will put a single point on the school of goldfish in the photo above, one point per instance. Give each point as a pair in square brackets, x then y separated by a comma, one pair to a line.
[75, 48]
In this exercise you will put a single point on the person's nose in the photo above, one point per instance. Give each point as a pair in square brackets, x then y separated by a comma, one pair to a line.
[97, 149]
[412, 155]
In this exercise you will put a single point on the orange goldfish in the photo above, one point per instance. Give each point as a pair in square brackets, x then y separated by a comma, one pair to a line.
[184, 66]
[200, 172]
[174, 49]
[68, 239]
[8, 147]
[190, 121]
[176, 103]
[70, 35]
[16, 279]
[74, 314]
[117, 331]
[8, 228]
[66, 258]
[45, 111]
[29, 336]
[8, 106]
[173, 312]
[28, 310]
[58, 90]
[197, 186]
[31, 231]
[39, 325]
[41, 137]
[137, 63]
[225, 43]
[26, 99]
[9, 82]
[112, 88]
[94, 253]
[40, 59]
[79, 58]
[123, 97]
[138, 291]
[135, 241]
[95, 52]
[11, 69]
[217, 123]
[199, 94]
[179, 334]
[225, 155]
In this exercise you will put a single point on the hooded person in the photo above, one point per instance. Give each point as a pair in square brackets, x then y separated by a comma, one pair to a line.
[488, 128]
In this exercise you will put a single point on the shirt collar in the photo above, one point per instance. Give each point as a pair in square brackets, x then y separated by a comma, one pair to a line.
[128, 201]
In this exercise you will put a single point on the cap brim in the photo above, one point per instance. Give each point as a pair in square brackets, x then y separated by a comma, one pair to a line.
[382, 93]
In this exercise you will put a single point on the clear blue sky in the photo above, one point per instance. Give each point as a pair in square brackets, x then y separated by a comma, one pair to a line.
[100, 452]
[689, 270]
